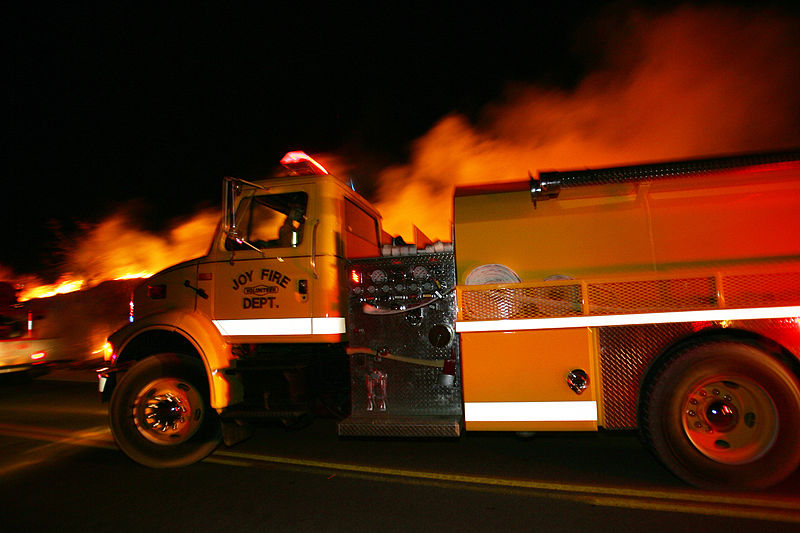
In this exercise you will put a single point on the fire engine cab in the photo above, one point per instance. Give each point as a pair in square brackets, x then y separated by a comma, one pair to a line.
[662, 297]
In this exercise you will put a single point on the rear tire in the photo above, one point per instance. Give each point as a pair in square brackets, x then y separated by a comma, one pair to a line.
[724, 415]
[160, 414]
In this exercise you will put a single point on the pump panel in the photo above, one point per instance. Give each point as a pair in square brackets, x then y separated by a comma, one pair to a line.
[404, 362]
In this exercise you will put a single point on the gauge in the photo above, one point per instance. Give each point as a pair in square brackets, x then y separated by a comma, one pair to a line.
[419, 272]
[378, 276]
[397, 275]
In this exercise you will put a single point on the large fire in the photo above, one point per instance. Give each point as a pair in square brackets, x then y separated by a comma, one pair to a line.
[116, 250]
[697, 81]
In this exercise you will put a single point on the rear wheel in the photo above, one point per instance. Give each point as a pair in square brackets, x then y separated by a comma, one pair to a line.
[160, 414]
[724, 414]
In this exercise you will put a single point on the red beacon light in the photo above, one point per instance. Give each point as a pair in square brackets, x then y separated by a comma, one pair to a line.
[299, 163]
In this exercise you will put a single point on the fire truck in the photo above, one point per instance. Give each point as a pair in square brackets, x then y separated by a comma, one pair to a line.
[660, 297]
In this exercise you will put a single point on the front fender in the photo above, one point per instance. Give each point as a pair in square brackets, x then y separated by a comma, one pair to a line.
[203, 336]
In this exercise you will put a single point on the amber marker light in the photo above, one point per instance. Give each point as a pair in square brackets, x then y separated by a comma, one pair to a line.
[108, 352]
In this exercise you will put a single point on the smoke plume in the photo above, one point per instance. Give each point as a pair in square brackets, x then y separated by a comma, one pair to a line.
[694, 82]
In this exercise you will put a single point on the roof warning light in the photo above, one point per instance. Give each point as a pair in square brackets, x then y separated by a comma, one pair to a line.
[300, 163]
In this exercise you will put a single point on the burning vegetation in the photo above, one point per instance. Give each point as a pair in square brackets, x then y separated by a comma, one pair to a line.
[116, 250]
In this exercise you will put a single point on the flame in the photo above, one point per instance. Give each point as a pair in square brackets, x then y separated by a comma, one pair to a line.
[63, 286]
[116, 250]
[693, 82]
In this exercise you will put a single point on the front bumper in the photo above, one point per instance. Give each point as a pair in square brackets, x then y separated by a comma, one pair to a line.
[107, 378]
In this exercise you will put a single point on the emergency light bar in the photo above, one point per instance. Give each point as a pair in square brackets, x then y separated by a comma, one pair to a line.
[299, 163]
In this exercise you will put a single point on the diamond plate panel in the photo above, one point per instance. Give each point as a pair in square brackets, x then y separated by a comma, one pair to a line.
[397, 426]
[409, 389]
[382, 386]
[626, 353]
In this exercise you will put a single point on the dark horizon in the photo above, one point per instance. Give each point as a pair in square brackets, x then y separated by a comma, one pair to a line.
[114, 109]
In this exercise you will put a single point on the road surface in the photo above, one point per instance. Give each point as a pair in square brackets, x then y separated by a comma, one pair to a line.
[59, 469]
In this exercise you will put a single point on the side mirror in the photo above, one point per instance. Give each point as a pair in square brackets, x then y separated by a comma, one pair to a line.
[231, 189]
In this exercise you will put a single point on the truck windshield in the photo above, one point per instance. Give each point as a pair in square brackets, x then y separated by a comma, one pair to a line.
[270, 221]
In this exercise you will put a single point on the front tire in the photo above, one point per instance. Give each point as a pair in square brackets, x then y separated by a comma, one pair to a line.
[724, 415]
[160, 414]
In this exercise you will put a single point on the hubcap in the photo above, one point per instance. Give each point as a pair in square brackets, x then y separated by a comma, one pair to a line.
[721, 416]
[168, 411]
[731, 420]
[165, 412]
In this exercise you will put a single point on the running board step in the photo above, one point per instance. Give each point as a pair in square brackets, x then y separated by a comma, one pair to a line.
[255, 414]
[399, 426]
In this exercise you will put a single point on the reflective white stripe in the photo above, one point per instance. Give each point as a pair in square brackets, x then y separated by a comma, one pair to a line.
[328, 326]
[530, 411]
[628, 320]
[281, 326]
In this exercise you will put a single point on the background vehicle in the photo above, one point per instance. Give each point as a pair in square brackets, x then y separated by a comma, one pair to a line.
[21, 350]
[663, 297]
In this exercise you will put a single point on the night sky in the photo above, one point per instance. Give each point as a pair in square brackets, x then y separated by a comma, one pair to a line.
[110, 107]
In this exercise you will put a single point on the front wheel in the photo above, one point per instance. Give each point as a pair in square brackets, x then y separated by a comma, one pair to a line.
[160, 414]
[723, 415]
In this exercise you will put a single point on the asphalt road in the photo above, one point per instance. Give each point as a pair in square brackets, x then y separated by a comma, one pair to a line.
[59, 469]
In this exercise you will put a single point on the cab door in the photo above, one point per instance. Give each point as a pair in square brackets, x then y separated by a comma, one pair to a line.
[261, 276]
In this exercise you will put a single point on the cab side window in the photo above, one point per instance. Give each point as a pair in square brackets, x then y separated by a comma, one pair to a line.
[361, 232]
[270, 221]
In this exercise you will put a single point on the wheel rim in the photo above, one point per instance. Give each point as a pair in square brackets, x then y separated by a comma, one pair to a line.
[730, 419]
[168, 411]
